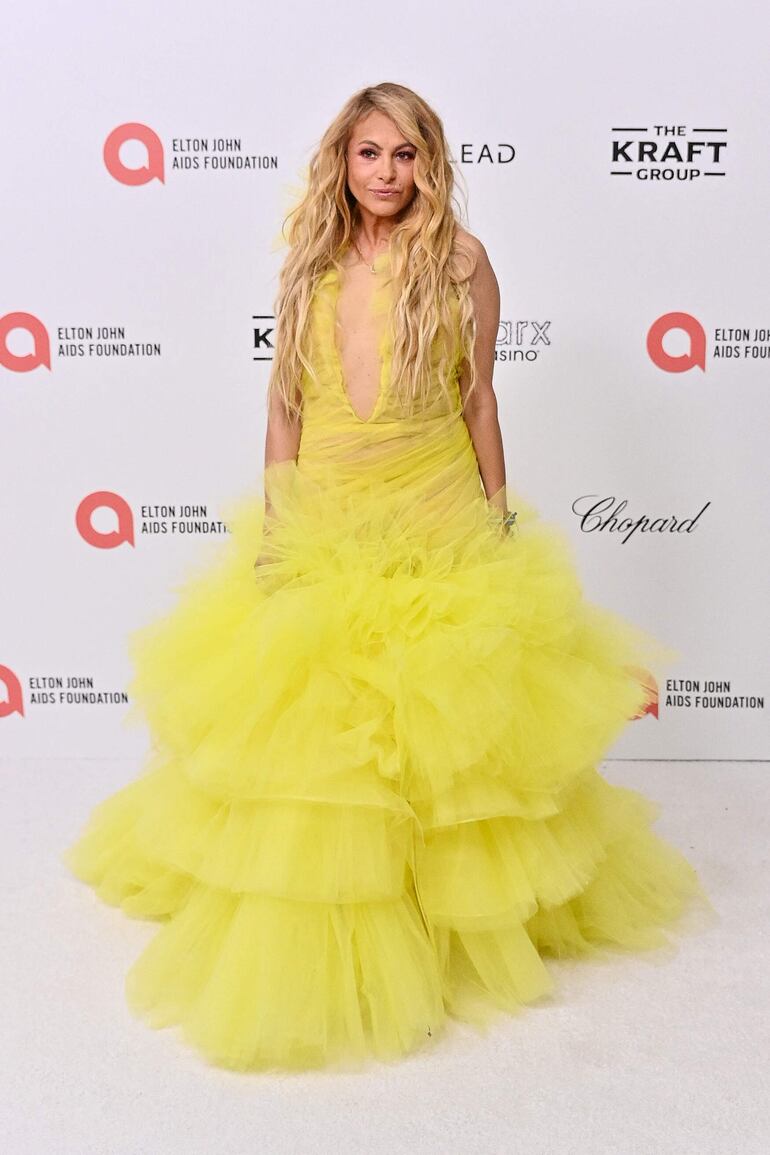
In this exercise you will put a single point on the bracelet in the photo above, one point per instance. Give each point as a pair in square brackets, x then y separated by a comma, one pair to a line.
[509, 519]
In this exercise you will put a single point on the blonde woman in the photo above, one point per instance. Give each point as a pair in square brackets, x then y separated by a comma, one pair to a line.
[373, 801]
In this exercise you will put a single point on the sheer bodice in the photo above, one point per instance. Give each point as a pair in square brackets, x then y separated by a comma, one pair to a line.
[429, 453]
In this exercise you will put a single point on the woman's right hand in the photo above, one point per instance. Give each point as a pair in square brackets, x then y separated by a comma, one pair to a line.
[265, 557]
[265, 553]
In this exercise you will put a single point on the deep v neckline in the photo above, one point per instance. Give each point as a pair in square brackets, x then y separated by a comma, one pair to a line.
[336, 285]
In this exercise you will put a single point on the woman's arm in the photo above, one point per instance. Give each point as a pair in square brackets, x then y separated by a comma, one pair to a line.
[281, 438]
[281, 444]
[481, 410]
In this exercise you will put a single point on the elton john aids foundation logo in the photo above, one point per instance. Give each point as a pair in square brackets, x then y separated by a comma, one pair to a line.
[143, 159]
[13, 702]
[40, 353]
[152, 169]
[75, 342]
[730, 343]
[694, 357]
[110, 539]
[154, 520]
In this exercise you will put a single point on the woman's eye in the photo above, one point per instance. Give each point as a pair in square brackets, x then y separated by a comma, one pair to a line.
[404, 155]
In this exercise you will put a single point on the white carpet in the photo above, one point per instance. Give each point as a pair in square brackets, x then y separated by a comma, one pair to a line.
[632, 1056]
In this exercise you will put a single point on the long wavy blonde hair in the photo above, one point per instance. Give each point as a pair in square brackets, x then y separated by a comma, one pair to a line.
[429, 262]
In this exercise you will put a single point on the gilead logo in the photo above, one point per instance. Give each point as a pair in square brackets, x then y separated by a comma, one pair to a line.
[102, 499]
[14, 704]
[41, 351]
[664, 360]
[153, 170]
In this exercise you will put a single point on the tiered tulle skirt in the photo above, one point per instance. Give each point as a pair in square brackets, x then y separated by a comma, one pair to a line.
[372, 799]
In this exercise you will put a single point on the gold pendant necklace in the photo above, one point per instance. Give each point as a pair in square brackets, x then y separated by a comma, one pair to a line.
[371, 268]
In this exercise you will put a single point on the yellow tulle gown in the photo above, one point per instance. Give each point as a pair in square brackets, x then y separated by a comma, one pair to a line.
[372, 799]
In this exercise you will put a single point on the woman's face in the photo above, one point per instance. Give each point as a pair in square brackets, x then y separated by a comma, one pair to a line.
[379, 158]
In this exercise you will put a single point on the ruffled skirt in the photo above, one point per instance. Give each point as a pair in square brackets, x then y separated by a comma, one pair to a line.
[372, 799]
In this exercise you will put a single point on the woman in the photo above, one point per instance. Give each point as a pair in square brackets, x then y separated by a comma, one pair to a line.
[373, 800]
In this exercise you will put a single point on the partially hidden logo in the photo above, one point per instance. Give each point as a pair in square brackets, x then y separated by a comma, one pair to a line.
[40, 353]
[14, 698]
[650, 686]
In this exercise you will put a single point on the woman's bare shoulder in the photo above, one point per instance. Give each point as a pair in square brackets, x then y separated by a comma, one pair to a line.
[471, 249]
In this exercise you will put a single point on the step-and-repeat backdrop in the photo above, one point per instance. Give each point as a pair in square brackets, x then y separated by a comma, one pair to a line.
[613, 160]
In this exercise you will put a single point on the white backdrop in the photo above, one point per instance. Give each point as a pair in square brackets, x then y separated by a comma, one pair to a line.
[592, 251]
